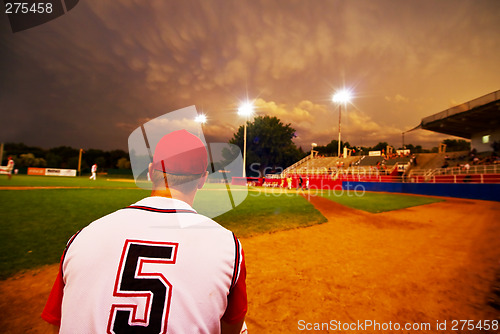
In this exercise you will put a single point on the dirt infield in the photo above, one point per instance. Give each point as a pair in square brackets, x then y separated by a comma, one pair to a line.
[418, 265]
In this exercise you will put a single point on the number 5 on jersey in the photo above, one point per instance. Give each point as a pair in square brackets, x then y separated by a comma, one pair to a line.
[133, 282]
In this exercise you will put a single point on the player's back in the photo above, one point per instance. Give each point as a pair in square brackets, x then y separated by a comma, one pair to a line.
[157, 264]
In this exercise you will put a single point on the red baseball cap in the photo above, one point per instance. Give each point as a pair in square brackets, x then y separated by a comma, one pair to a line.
[180, 153]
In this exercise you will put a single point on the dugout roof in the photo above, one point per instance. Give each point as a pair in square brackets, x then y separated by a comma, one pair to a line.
[478, 115]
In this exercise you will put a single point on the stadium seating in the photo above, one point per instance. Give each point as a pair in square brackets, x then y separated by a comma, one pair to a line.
[423, 167]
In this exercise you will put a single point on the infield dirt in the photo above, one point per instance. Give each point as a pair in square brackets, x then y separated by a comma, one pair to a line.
[423, 264]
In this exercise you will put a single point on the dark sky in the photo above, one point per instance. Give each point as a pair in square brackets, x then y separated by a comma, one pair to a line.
[90, 77]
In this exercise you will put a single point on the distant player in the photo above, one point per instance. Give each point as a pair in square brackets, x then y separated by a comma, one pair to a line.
[94, 172]
[10, 167]
[156, 266]
[300, 183]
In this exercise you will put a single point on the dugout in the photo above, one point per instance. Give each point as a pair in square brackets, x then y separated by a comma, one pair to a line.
[477, 120]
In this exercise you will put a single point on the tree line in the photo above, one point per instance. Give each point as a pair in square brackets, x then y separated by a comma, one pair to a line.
[270, 148]
[64, 157]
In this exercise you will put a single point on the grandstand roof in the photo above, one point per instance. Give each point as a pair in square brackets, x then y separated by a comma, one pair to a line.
[464, 120]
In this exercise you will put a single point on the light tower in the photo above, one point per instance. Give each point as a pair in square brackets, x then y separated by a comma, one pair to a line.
[246, 110]
[341, 97]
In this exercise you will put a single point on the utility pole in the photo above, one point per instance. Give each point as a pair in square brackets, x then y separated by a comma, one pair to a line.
[80, 162]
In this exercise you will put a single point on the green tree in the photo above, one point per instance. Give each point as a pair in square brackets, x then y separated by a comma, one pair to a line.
[269, 145]
[380, 146]
[454, 145]
[123, 163]
[53, 160]
[415, 149]
[66, 156]
[29, 160]
[332, 148]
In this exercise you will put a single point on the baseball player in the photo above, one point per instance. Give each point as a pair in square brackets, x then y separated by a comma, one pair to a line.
[10, 167]
[299, 183]
[94, 171]
[156, 266]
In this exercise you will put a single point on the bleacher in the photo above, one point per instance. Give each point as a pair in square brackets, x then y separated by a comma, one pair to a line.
[319, 165]
[369, 161]
[424, 167]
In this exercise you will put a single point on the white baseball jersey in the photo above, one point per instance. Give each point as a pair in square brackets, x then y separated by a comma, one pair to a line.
[10, 165]
[154, 267]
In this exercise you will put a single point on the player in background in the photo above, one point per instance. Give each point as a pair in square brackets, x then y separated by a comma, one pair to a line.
[300, 183]
[156, 266]
[94, 172]
[10, 167]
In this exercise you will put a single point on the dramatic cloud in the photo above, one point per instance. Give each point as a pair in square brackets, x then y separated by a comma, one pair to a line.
[91, 76]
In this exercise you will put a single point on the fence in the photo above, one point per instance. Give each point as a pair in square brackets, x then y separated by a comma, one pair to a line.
[489, 192]
[471, 174]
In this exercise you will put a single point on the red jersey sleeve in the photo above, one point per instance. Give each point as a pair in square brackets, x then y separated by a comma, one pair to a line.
[237, 299]
[52, 310]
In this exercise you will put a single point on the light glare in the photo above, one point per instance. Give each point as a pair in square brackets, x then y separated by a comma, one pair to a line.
[245, 109]
[342, 96]
[201, 118]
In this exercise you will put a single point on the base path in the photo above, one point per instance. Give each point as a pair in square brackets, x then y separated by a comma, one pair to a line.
[417, 266]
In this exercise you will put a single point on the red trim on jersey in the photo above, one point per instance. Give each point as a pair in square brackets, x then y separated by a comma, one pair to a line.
[53, 308]
[237, 304]
[236, 261]
[148, 208]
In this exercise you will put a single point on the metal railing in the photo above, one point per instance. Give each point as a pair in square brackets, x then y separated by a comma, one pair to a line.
[475, 174]
[288, 169]
[463, 170]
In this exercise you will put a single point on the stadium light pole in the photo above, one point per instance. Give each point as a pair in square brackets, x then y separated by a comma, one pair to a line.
[341, 97]
[80, 162]
[202, 119]
[245, 110]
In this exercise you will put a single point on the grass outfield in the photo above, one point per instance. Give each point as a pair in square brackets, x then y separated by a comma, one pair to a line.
[377, 202]
[262, 213]
[35, 224]
[61, 181]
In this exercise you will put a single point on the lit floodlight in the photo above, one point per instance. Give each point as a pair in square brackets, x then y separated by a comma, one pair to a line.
[342, 96]
[314, 145]
[201, 118]
[245, 109]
